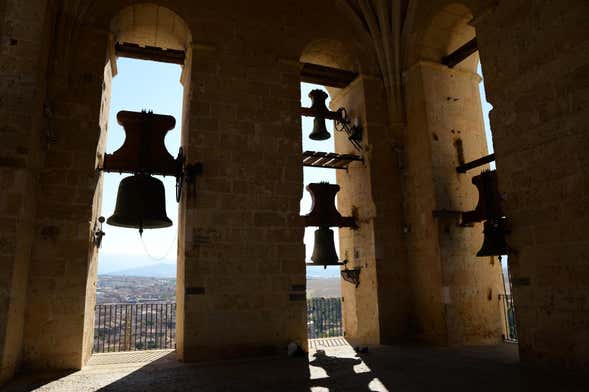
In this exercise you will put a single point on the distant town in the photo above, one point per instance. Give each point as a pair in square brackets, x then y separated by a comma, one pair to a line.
[115, 289]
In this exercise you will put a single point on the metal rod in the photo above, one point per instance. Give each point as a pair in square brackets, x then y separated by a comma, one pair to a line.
[476, 163]
[461, 53]
[328, 115]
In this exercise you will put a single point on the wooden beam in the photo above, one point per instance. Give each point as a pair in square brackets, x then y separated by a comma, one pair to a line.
[476, 163]
[153, 53]
[326, 76]
[461, 53]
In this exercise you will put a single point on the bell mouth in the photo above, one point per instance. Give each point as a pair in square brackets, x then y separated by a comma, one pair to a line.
[119, 221]
[319, 136]
[313, 264]
[141, 204]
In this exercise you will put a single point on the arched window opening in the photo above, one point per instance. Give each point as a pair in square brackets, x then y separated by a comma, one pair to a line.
[506, 297]
[448, 119]
[324, 316]
[136, 283]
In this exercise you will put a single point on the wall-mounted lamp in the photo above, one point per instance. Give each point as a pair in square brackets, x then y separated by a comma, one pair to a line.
[343, 123]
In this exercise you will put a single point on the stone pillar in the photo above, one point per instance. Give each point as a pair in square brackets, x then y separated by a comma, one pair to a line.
[243, 260]
[61, 292]
[23, 59]
[455, 293]
[375, 311]
[535, 63]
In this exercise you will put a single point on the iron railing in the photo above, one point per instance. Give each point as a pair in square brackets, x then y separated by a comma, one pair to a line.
[131, 327]
[324, 317]
[509, 317]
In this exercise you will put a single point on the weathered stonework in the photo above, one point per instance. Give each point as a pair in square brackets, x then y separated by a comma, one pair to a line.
[240, 235]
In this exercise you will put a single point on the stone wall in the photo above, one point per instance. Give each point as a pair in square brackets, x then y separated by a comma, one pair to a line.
[241, 239]
[536, 77]
[63, 253]
[241, 236]
[376, 311]
[22, 66]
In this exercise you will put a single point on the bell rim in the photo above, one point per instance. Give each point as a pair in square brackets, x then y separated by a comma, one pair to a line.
[163, 223]
[324, 265]
[312, 137]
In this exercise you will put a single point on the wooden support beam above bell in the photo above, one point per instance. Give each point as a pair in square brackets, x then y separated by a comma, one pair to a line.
[152, 53]
[460, 54]
[326, 76]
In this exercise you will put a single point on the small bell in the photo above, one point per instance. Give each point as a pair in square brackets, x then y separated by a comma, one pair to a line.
[319, 130]
[324, 248]
[494, 243]
[318, 98]
[141, 204]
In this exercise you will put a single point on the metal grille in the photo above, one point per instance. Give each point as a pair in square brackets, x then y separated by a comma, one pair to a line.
[509, 316]
[131, 327]
[324, 317]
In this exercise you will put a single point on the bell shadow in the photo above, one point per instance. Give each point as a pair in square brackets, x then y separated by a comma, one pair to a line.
[341, 373]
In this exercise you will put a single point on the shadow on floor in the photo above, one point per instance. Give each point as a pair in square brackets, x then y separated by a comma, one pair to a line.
[382, 368]
[336, 373]
[480, 368]
[31, 380]
[266, 374]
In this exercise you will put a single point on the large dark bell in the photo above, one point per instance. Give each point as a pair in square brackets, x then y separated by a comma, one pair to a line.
[324, 248]
[319, 130]
[141, 204]
[494, 243]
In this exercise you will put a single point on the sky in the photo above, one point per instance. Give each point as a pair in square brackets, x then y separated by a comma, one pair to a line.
[152, 86]
[156, 86]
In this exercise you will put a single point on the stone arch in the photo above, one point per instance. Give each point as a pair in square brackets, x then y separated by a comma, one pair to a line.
[444, 118]
[151, 24]
[143, 24]
[330, 53]
[440, 33]
[360, 305]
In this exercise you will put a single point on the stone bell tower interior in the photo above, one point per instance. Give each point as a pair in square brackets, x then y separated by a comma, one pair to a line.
[425, 213]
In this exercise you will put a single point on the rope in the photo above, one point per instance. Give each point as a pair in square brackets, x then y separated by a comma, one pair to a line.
[165, 254]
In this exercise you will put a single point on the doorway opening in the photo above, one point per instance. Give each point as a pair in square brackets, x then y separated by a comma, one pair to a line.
[324, 295]
[136, 286]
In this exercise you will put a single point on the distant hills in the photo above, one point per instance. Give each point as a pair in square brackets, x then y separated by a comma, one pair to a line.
[143, 266]
[159, 270]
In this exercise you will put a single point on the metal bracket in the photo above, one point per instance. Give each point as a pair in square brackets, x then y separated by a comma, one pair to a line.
[188, 175]
[464, 167]
[98, 233]
[351, 275]
[343, 123]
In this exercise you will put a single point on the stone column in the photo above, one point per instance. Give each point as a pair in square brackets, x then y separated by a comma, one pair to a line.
[455, 293]
[23, 60]
[61, 293]
[375, 311]
[242, 256]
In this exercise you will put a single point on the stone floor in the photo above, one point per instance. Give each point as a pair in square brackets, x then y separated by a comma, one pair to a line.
[332, 365]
